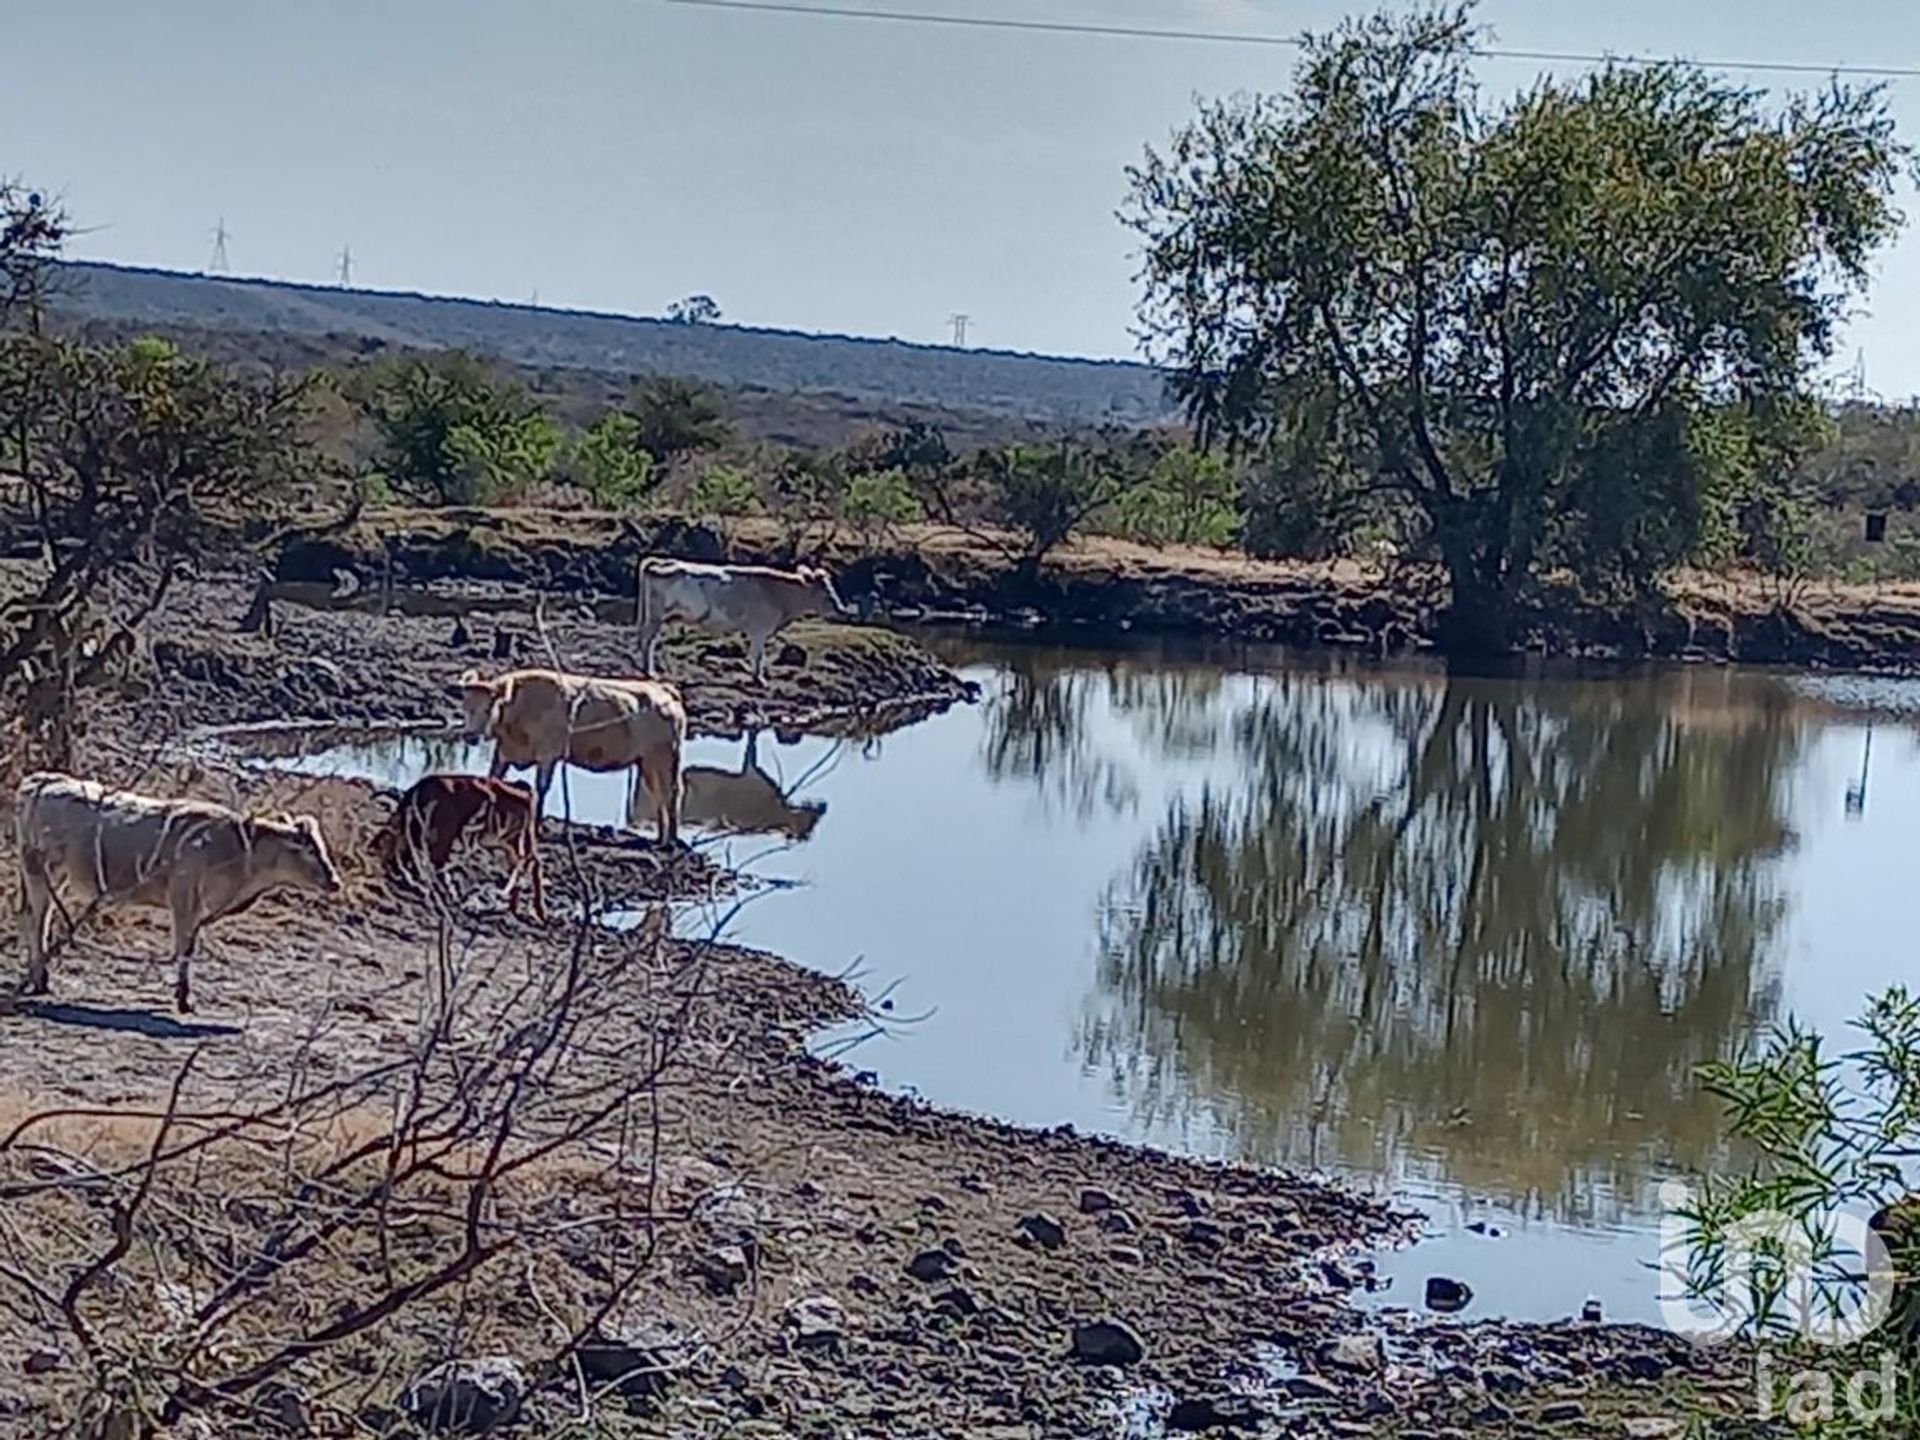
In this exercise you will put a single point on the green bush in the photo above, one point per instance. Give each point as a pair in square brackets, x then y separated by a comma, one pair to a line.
[880, 500]
[609, 463]
[724, 490]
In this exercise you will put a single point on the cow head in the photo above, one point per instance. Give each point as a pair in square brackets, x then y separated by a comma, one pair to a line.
[301, 858]
[479, 698]
[819, 585]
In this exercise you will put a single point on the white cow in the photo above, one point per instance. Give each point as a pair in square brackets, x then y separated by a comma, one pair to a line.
[200, 860]
[725, 599]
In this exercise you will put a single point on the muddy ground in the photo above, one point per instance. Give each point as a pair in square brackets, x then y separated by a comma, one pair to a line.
[833, 1260]
[1095, 587]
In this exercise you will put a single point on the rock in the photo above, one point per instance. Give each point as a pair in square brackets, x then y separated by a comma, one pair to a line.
[954, 1247]
[724, 1267]
[1043, 1230]
[1118, 1222]
[931, 1265]
[641, 1362]
[1192, 1202]
[1503, 1379]
[1591, 1313]
[1492, 1413]
[958, 1299]
[1313, 1387]
[1203, 1233]
[1224, 1412]
[1641, 1365]
[43, 1362]
[1126, 1255]
[1107, 1342]
[816, 1322]
[1449, 1297]
[465, 1397]
[1095, 1201]
[1359, 1352]
[286, 1407]
[1562, 1411]
[1481, 1227]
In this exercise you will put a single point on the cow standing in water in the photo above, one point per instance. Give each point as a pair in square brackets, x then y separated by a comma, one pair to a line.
[726, 599]
[199, 860]
[543, 718]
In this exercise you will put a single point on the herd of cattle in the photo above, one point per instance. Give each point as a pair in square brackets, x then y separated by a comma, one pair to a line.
[82, 842]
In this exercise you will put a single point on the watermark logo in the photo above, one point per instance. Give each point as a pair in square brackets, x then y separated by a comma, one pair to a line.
[1825, 1278]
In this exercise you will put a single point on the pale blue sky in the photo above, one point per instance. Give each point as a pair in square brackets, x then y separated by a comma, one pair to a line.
[823, 174]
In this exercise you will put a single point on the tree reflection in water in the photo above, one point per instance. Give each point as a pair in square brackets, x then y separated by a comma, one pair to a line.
[1473, 930]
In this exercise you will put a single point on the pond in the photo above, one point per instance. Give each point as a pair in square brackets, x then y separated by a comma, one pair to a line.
[1460, 938]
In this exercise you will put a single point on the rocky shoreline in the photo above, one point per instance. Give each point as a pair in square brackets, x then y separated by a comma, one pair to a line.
[828, 1259]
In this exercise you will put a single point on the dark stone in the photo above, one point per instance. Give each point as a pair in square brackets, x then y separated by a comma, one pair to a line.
[1503, 1380]
[1094, 1201]
[1561, 1411]
[465, 1397]
[1192, 1202]
[1118, 1222]
[1641, 1365]
[285, 1407]
[958, 1299]
[1107, 1342]
[1204, 1233]
[1042, 1230]
[931, 1265]
[1313, 1387]
[1481, 1227]
[1449, 1297]
[1591, 1313]
[43, 1362]
[1224, 1412]
[1126, 1255]
[1492, 1413]
[641, 1362]
[724, 1267]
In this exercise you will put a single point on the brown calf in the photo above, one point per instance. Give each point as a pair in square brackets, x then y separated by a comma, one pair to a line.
[440, 810]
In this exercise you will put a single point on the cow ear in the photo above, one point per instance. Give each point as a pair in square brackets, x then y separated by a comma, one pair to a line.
[470, 680]
[308, 825]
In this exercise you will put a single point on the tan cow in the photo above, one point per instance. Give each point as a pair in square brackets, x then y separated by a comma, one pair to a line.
[747, 801]
[723, 599]
[543, 717]
[200, 860]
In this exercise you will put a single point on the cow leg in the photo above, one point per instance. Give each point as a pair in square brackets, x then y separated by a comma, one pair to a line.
[661, 774]
[757, 655]
[542, 782]
[497, 767]
[531, 863]
[36, 913]
[186, 934]
[649, 645]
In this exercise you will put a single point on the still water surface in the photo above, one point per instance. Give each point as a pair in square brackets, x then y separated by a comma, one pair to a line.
[1462, 939]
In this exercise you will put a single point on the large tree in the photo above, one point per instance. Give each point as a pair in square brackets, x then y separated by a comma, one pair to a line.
[1575, 327]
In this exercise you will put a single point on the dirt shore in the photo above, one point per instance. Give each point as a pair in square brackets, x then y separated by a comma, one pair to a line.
[1098, 586]
[834, 1260]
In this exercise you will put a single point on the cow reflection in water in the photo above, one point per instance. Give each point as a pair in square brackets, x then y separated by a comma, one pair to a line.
[747, 801]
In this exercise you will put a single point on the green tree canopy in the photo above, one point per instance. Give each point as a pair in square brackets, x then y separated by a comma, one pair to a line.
[677, 418]
[452, 432]
[1572, 328]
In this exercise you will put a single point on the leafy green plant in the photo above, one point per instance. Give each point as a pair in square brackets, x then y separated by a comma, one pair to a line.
[880, 500]
[724, 490]
[611, 465]
[452, 432]
[1188, 497]
[1046, 492]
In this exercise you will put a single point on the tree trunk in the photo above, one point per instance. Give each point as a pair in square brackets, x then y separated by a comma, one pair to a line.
[1483, 614]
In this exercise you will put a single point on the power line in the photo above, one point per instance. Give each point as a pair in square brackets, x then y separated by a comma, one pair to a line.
[1291, 42]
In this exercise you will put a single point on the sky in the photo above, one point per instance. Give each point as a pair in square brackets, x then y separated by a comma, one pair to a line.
[855, 176]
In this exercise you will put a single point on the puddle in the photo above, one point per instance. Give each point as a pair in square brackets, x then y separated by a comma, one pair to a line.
[1463, 940]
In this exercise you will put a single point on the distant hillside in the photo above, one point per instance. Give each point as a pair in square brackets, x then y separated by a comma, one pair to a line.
[1039, 388]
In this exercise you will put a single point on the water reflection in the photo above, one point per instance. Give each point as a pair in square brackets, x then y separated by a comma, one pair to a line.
[1459, 928]
[746, 801]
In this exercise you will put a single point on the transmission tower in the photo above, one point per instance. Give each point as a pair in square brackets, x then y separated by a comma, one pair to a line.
[220, 237]
[959, 323]
[346, 267]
